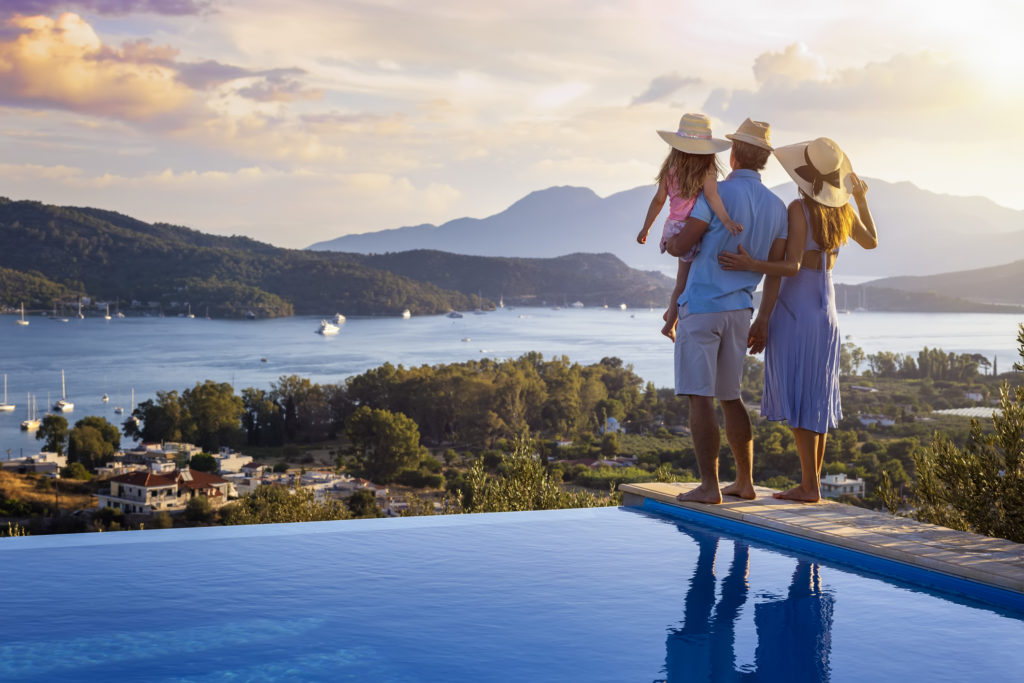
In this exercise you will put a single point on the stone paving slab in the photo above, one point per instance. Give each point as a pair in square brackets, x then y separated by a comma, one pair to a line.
[991, 561]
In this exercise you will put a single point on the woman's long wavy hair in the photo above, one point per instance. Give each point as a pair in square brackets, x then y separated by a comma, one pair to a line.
[831, 226]
[687, 171]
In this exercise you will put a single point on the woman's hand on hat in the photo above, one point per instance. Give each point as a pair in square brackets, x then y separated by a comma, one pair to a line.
[858, 188]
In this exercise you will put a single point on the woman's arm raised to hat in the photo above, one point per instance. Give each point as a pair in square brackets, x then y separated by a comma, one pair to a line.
[653, 210]
[863, 232]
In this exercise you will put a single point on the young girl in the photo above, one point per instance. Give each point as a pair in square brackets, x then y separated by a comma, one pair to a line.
[689, 169]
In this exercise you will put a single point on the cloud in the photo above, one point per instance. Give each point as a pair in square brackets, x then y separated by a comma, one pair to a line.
[62, 63]
[114, 7]
[904, 93]
[663, 87]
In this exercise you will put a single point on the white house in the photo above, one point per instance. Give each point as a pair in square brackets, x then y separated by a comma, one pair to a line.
[44, 462]
[231, 461]
[835, 485]
[147, 492]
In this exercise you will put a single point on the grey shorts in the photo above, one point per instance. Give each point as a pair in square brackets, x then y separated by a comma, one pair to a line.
[709, 352]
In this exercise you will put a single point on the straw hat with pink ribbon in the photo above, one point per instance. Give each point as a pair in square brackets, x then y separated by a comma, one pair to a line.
[694, 136]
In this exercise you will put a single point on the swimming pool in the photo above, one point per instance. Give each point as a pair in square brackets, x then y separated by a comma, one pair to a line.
[605, 594]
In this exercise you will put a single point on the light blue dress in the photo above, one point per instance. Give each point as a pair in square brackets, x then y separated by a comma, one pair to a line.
[801, 373]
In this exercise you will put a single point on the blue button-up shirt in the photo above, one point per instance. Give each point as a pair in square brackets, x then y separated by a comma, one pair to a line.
[763, 216]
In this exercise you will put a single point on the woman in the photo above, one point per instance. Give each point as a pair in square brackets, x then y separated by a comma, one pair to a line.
[801, 376]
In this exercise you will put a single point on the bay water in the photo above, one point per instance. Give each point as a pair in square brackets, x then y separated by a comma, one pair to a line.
[149, 354]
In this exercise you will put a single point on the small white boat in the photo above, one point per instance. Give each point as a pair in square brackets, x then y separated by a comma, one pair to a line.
[22, 321]
[466, 339]
[106, 316]
[105, 398]
[63, 405]
[118, 410]
[339, 319]
[622, 307]
[327, 329]
[407, 313]
[31, 423]
[577, 304]
[6, 407]
[454, 314]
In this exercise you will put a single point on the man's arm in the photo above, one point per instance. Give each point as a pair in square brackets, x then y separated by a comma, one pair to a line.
[680, 243]
[757, 338]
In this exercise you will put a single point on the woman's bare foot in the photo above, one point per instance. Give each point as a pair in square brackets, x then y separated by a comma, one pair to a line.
[701, 495]
[798, 494]
[745, 492]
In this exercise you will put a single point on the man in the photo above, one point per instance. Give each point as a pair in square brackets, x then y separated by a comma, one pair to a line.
[714, 331]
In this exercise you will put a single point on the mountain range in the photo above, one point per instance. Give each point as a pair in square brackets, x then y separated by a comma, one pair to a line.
[920, 232]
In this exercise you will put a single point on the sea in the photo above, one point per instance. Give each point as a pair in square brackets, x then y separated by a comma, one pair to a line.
[134, 357]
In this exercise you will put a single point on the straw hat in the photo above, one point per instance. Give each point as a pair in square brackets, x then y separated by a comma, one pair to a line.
[694, 136]
[820, 169]
[756, 133]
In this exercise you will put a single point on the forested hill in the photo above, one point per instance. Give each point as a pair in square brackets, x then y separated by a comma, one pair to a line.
[594, 279]
[114, 257]
[51, 255]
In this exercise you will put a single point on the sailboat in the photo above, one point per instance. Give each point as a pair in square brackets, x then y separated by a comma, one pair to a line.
[6, 407]
[22, 321]
[31, 422]
[81, 316]
[131, 415]
[63, 405]
[190, 314]
[107, 315]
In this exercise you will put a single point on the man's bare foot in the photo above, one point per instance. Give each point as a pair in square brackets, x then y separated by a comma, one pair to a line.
[746, 492]
[798, 494]
[701, 495]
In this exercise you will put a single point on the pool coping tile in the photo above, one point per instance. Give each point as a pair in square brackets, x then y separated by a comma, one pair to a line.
[981, 559]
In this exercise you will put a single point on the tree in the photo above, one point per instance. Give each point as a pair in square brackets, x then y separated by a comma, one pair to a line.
[523, 484]
[198, 509]
[212, 415]
[276, 504]
[389, 442]
[54, 430]
[204, 462]
[157, 420]
[93, 441]
[363, 503]
[87, 446]
[979, 487]
[75, 470]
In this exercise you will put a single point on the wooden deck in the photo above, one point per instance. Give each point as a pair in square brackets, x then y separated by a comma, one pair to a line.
[989, 561]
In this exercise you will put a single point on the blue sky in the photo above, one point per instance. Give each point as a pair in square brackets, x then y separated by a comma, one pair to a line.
[301, 121]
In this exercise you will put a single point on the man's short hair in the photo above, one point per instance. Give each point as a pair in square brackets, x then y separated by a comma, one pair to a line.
[750, 156]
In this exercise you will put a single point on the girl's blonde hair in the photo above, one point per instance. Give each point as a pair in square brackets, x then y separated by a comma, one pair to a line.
[687, 171]
[831, 226]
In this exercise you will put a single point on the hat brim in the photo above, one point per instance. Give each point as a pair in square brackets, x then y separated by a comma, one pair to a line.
[791, 157]
[694, 145]
[750, 140]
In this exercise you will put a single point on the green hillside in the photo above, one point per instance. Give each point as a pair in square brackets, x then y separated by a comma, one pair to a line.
[109, 256]
[594, 279]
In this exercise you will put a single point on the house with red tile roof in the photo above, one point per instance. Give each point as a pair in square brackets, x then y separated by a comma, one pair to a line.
[147, 492]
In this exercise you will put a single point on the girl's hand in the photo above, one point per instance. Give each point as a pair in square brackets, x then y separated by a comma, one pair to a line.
[858, 188]
[741, 260]
[734, 227]
[642, 237]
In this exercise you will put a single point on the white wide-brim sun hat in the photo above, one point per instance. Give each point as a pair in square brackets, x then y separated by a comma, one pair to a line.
[694, 136]
[819, 169]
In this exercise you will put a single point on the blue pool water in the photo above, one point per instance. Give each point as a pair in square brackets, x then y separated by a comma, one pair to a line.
[607, 594]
